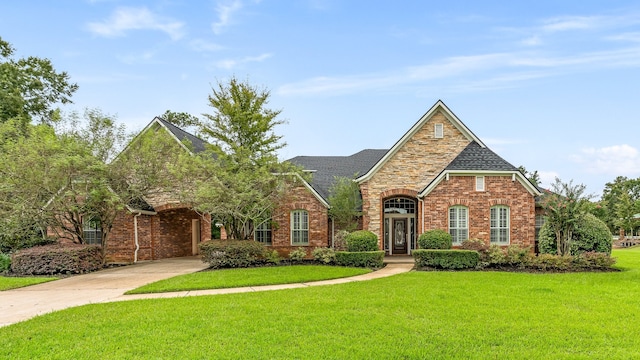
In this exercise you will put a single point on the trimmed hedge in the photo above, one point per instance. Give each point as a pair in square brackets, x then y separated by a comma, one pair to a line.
[590, 235]
[446, 259]
[57, 259]
[361, 240]
[435, 239]
[367, 259]
[233, 253]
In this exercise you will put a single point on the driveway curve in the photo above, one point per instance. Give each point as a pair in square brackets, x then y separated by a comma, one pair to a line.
[110, 285]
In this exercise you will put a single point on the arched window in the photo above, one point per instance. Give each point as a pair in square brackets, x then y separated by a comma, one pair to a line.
[458, 224]
[500, 225]
[400, 205]
[299, 227]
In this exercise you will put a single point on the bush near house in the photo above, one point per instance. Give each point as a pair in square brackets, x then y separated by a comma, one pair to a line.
[362, 240]
[446, 259]
[5, 262]
[57, 259]
[590, 235]
[368, 259]
[233, 253]
[435, 239]
[298, 254]
[324, 255]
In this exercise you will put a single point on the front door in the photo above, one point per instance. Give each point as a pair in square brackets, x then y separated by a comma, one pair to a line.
[399, 236]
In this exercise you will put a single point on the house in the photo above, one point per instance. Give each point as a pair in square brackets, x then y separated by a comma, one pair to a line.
[438, 175]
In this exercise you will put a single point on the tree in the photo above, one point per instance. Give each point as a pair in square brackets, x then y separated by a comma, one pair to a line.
[621, 190]
[345, 203]
[565, 205]
[239, 187]
[591, 234]
[534, 177]
[30, 88]
[183, 120]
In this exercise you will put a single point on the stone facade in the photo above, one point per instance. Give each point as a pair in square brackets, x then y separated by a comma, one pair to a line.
[411, 168]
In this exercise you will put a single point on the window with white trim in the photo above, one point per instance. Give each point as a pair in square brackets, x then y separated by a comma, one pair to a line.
[479, 183]
[439, 131]
[92, 231]
[458, 224]
[500, 225]
[299, 227]
[262, 232]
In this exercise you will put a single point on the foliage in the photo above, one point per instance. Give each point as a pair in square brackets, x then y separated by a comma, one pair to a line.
[5, 262]
[435, 239]
[298, 254]
[620, 201]
[345, 203]
[57, 259]
[590, 234]
[258, 276]
[496, 256]
[534, 177]
[273, 257]
[182, 120]
[30, 88]
[232, 253]
[565, 205]
[368, 259]
[30, 237]
[239, 188]
[339, 242]
[361, 240]
[446, 259]
[477, 245]
[324, 255]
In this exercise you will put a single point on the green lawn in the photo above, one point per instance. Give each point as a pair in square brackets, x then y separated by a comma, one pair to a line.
[417, 315]
[231, 278]
[8, 283]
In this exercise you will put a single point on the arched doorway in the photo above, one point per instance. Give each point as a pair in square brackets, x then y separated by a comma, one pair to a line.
[400, 225]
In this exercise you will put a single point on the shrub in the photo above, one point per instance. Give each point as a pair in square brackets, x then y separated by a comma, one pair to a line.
[368, 259]
[550, 262]
[496, 256]
[435, 239]
[9, 244]
[590, 235]
[593, 261]
[478, 245]
[233, 253]
[339, 243]
[517, 256]
[362, 240]
[5, 262]
[57, 259]
[298, 254]
[446, 259]
[324, 255]
[272, 257]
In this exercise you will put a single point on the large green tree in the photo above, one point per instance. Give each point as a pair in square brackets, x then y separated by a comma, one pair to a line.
[30, 88]
[620, 201]
[345, 203]
[239, 180]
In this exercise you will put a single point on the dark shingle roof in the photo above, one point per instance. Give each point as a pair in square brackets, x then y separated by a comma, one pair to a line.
[476, 157]
[140, 204]
[198, 144]
[326, 168]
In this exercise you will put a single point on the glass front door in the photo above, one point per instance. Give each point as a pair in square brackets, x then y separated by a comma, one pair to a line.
[399, 236]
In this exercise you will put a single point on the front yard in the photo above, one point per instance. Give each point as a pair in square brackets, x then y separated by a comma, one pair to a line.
[421, 315]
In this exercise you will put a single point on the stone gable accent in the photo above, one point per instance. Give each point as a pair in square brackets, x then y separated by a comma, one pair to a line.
[412, 167]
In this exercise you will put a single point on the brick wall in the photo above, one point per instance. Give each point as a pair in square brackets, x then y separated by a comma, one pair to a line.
[300, 198]
[500, 190]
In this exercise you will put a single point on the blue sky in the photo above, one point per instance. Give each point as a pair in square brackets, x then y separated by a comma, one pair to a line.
[551, 85]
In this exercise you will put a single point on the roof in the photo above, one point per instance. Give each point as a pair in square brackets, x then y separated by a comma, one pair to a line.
[324, 169]
[475, 157]
[198, 144]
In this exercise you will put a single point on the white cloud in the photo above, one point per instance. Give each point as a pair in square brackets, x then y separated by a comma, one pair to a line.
[125, 18]
[232, 63]
[204, 46]
[547, 178]
[566, 23]
[612, 160]
[225, 12]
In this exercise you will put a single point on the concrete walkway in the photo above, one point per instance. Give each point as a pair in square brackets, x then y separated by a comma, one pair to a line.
[111, 284]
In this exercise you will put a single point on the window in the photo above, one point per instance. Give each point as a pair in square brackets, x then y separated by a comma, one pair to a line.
[479, 183]
[439, 131]
[400, 206]
[539, 223]
[500, 225]
[262, 232]
[91, 231]
[299, 227]
[458, 224]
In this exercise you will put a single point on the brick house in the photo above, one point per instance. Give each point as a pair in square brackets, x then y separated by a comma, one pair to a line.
[438, 175]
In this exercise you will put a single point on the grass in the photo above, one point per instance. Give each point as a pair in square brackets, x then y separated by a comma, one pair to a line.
[417, 315]
[232, 278]
[8, 283]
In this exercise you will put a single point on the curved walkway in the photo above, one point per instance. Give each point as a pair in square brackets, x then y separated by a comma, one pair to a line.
[111, 284]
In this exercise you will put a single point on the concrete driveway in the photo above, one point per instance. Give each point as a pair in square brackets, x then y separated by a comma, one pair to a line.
[97, 287]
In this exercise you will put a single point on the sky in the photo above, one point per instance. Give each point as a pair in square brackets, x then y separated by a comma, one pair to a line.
[549, 85]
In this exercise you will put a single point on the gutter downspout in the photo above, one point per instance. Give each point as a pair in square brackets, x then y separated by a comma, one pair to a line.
[422, 220]
[135, 231]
